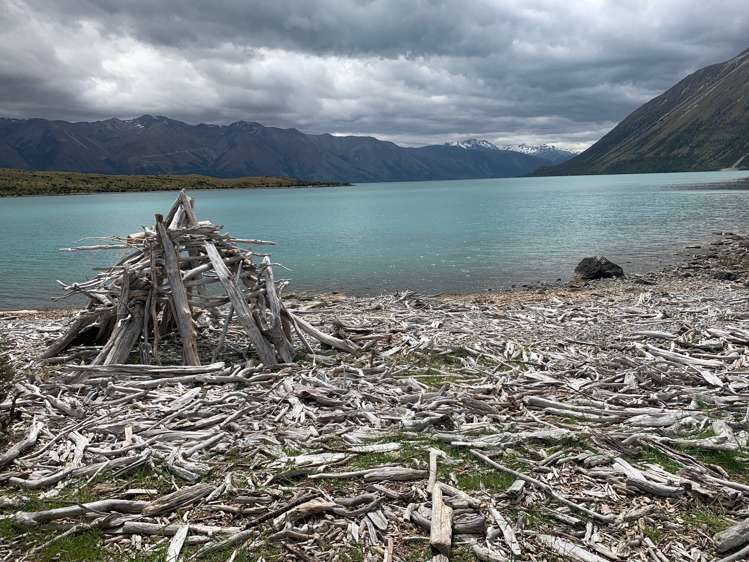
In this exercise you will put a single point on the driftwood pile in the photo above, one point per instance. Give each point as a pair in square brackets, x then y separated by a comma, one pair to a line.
[163, 284]
[599, 425]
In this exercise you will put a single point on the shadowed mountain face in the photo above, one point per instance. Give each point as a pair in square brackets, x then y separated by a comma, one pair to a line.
[700, 124]
[158, 145]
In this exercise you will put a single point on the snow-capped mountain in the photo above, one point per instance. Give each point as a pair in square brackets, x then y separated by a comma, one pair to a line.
[547, 152]
[473, 144]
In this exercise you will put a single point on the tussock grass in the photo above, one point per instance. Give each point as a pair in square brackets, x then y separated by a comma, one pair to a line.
[22, 182]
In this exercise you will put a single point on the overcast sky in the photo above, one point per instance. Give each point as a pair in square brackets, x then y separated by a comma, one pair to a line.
[412, 71]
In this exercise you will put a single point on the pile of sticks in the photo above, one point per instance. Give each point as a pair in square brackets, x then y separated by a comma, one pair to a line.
[163, 286]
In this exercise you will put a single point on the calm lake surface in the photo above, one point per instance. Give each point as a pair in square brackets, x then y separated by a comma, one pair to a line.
[456, 236]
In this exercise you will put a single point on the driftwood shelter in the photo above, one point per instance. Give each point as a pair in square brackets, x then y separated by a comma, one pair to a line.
[169, 280]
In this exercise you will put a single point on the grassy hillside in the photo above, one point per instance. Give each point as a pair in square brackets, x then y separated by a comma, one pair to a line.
[700, 124]
[22, 182]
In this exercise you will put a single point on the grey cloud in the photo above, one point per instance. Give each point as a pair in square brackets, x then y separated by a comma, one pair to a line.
[414, 72]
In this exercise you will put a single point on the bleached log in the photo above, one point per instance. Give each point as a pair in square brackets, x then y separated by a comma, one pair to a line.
[732, 537]
[96, 247]
[304, 510]
[22, 446]
[320, 336]
[82, 320]
[507, 532]
[181, 306]
[177, 499]
[283, 347]
[244, 314]
[569, 550]
[131, 330]
[41, 482]
[175, 545]
[455, 496]
[738, 555]
[637, 479]
[394, 474]
[440, 535]
[34, 518]
[486, 554]
[683, 359]
[144, 528]
[473, 524]
[433, 454]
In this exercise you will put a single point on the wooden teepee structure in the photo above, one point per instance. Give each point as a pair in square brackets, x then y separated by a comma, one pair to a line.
[163, 285]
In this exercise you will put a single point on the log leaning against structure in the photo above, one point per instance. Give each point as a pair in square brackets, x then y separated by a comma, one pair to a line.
[162, 288]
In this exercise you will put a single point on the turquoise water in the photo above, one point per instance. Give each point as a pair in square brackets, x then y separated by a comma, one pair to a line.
[457, 236]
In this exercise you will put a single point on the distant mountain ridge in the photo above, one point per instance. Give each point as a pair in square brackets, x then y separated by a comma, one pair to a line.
[550, 153]
[700, 124]
[546, 151]
[159, 145]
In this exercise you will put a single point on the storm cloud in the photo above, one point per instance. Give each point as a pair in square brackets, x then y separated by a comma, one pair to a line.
[412, 71]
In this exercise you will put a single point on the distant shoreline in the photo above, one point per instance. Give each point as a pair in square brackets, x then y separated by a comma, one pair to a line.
[25, 183]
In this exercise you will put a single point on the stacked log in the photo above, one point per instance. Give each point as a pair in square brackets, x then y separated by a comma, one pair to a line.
[162, 286]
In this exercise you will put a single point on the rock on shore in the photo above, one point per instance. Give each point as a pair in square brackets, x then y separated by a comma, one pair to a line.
[597, 268]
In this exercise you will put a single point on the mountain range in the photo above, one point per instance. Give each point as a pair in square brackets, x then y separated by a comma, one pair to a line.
[702, 123]
[159, 145]
[546, 152]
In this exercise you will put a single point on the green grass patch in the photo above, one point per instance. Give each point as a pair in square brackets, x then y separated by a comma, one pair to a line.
[709, 519]
[355, 554]
[655, 534]
[655, 456]
[533, 518]
[371, 460]
[8, 531]
[493, 481]
[406, 455]
[86, 545]
[729, 461]
[733, 463]
[80, 547]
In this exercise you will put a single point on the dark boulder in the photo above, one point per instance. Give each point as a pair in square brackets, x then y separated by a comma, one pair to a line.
[597, 268]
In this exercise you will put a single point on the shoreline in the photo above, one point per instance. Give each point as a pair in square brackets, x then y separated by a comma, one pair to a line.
[692, 252]
[31, 183]
[176, 189]
[613, 409]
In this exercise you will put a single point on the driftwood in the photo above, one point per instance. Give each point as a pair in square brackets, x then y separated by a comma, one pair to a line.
[163, 285]
[31, 519]
[569, 550]
[22, 446]
[440, 534]
[732, 537]
[180, 498]
[598, 438]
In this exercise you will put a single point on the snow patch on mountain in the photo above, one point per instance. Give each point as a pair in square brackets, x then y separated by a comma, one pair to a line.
[473, 144]
[547, 152]
[535, 149]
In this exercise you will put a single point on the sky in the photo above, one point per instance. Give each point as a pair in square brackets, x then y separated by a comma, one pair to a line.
[411, 71]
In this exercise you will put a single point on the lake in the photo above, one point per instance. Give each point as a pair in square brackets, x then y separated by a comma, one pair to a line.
[456, 236]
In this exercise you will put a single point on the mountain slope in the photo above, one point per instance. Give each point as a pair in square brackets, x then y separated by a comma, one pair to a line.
[158, 145]
[702, 123]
